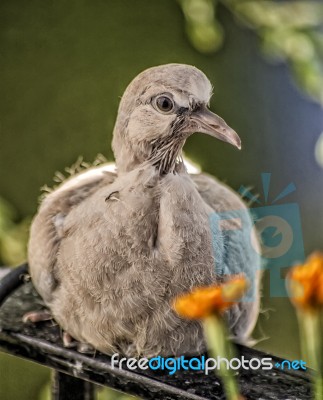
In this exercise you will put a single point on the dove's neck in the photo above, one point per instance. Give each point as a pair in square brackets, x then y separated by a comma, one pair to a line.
[164, 155]
[165, 163]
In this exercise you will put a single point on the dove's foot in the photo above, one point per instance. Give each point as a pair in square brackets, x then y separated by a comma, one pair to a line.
[70, 342]
[37, 316]
[85, 348]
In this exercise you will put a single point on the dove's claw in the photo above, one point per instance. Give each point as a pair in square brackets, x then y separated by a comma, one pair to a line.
[69, 342]
[37, 316]
[85, 348]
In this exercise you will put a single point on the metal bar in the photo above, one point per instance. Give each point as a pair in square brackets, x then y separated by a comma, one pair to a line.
[67, 387]
[43, 343]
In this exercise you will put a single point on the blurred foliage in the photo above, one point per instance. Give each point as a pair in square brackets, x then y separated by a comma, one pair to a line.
[13, 236]
[202, 27]
[101, 393]
[21, 379]
[289, 31]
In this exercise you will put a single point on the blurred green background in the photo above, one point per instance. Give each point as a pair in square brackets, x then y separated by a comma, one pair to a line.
[65, 64]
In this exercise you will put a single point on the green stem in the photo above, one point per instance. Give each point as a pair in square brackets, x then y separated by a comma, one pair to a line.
[318, 388]
[312, 347]
[219, 345]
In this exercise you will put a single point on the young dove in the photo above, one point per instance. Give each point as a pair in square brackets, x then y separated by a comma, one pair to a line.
[109, 252]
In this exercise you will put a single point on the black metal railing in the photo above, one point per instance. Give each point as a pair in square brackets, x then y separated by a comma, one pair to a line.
[76, 374]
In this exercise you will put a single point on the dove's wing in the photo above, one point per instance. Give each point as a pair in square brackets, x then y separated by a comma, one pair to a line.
[236, 247]
[47, 230]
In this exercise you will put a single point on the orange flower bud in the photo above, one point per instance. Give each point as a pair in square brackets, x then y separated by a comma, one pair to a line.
[204, 301]
[305, 283]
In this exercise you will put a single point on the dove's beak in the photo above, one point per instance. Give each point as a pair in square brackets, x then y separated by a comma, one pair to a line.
[204, 121]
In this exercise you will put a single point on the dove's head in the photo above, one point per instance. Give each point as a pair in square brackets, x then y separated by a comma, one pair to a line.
[159, 110]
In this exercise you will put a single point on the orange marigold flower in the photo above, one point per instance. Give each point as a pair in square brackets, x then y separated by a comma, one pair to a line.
[305, 283]
[204, 301]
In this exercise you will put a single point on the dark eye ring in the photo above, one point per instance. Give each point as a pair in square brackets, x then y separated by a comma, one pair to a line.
[164, 104]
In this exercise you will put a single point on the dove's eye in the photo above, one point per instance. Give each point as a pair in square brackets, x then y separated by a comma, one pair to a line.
[164, 104]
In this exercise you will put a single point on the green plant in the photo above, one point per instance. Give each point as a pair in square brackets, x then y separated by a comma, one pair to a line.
[288, 31]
